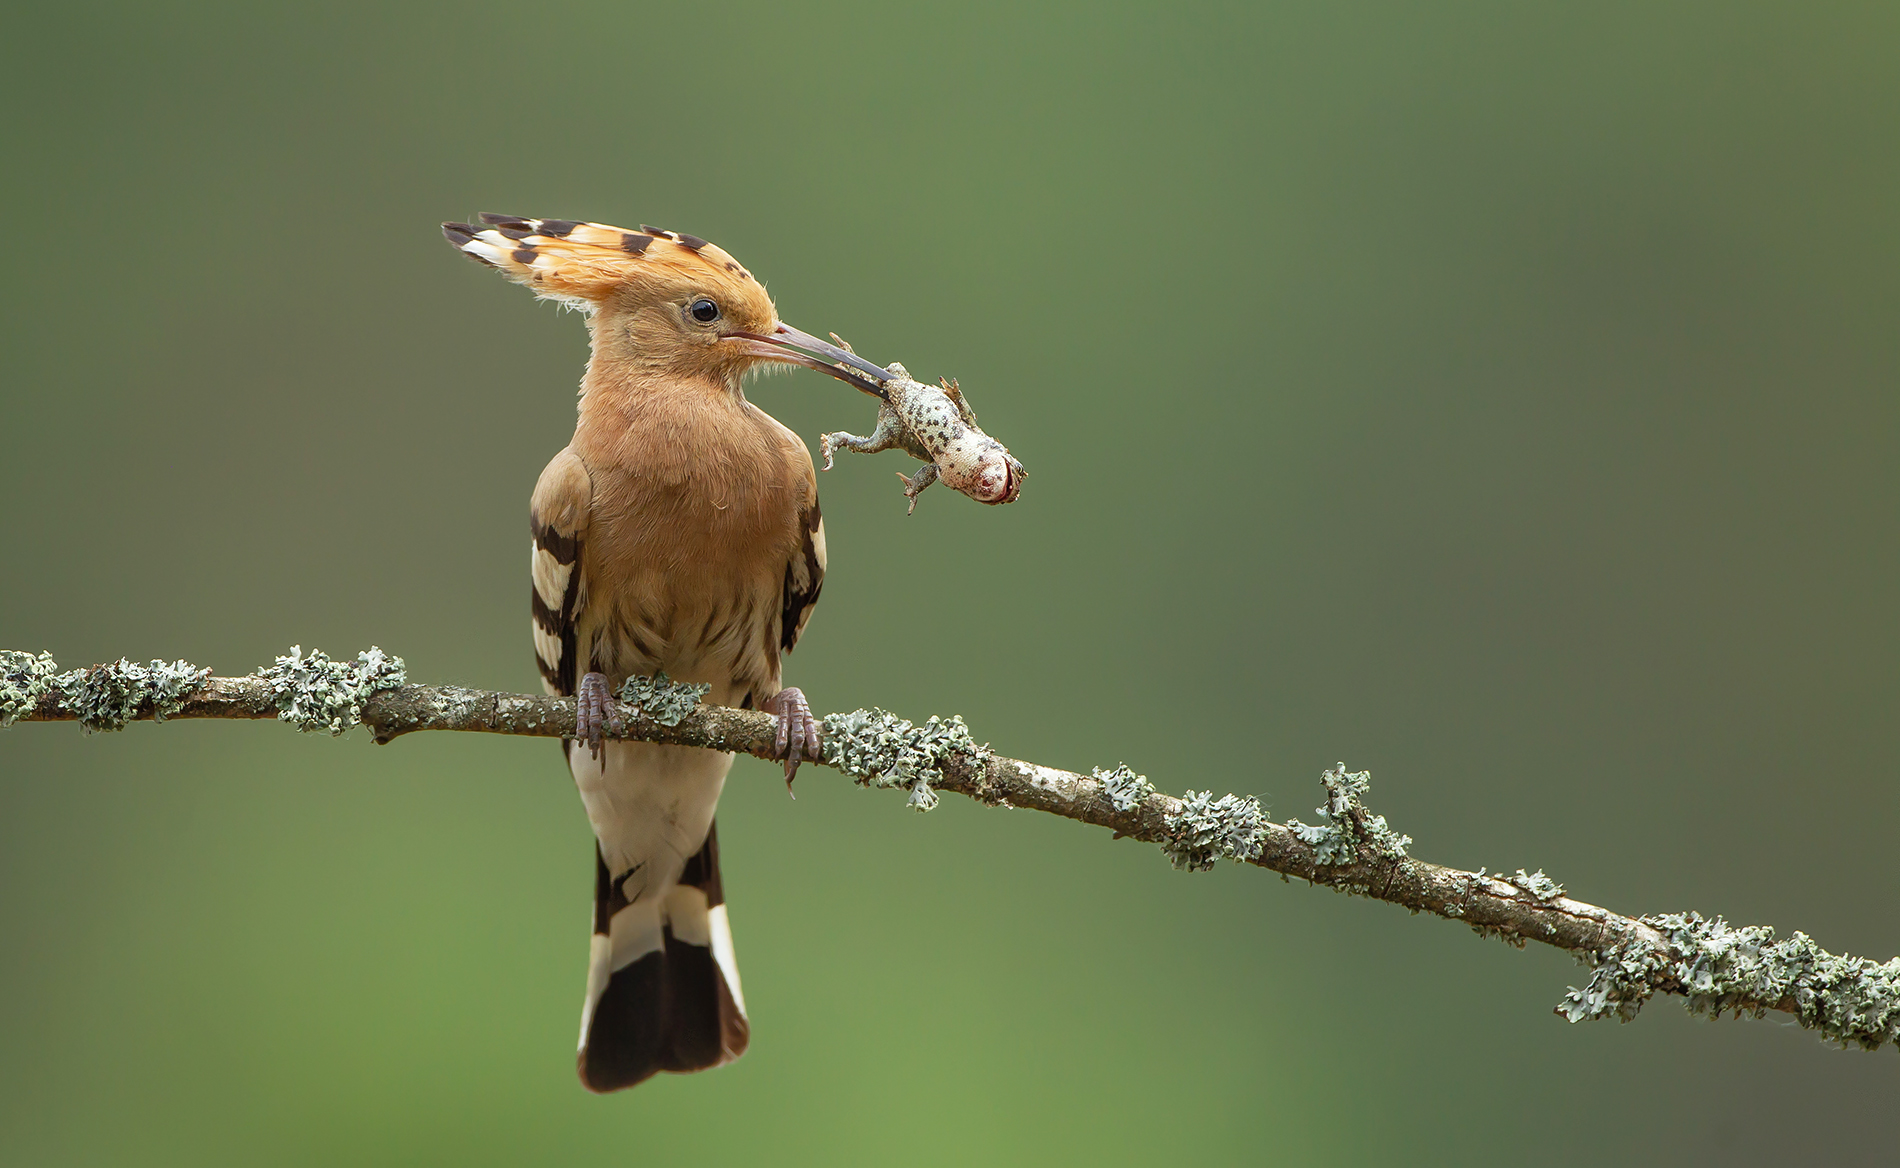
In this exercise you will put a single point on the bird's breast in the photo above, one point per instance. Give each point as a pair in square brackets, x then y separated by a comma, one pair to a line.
[696, 512]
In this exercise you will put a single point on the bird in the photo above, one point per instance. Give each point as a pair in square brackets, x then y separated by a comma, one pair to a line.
[679, 532]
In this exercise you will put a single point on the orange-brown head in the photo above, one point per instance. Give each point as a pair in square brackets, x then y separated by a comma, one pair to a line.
[655, 298]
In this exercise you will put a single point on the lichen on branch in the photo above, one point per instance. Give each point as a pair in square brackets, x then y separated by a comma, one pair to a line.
[661, 698]
[880, 749]
[315, 693]
[1125, 789]
[1204, 829]
[1537, 884]
[1715, 967]
[103, 698]
[1719, 968]
[1345, 825]
[24, 678]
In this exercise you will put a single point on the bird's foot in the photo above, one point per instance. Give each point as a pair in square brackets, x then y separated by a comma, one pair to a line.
[596, 714]
[797, 739]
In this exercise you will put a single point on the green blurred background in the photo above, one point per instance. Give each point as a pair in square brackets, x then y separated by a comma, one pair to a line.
[1497, 396]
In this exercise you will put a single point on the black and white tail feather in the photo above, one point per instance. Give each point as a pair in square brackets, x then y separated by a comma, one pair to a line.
[662, 983]
[663, 989]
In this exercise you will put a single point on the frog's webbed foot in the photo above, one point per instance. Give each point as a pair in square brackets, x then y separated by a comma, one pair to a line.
[829, 444]
[915, 484]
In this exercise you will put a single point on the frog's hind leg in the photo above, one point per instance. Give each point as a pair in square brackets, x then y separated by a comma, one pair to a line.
[914, 485]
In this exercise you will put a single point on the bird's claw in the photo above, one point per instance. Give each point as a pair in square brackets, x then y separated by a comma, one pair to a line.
[797, 738]
[596, 714]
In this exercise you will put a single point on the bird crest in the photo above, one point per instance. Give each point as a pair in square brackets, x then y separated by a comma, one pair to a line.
[582, 264]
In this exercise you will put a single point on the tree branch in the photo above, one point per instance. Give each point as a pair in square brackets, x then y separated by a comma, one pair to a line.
[1715, 967]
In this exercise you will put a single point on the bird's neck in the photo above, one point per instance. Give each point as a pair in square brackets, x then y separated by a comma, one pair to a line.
[620, 388]
[681, 438]
[628, 364]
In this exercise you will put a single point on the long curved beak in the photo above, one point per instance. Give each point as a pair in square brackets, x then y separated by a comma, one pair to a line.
[785, 343]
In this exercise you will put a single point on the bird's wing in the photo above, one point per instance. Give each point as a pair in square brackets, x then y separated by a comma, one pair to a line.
[563, 500]
[804, 574]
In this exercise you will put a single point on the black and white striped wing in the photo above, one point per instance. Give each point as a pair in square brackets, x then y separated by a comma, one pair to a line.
[563, 499]
[804, 577]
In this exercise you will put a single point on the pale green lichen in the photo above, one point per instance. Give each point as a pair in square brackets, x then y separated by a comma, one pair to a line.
[1718, 968]
[316, 693]
[661, 698]
[880, 749]
[24, 679]
[106, 697]
[1345, 825]
[922, 796]
[1125, 789]
[1537, 884]
[1207, 829]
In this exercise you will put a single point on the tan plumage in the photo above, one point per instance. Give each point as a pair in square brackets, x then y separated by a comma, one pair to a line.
[699, 505]
[678, 531]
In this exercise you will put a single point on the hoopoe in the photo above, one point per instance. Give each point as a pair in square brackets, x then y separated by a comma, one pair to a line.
[678, 531]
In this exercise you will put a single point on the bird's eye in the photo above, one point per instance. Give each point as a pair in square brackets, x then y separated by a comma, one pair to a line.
[704, 311]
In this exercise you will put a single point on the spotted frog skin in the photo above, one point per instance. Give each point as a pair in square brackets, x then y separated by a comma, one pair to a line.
[935, 425]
